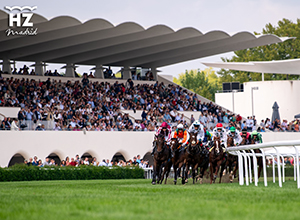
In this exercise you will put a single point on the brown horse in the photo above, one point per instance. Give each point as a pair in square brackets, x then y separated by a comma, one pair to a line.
[216, 158]
[160, 157]
[232, 160]
[178, 159]
[196, 157]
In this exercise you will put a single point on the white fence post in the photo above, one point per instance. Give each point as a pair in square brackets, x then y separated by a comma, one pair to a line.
[297, 164]
[264, 167]
[255, 167]
[241, 168]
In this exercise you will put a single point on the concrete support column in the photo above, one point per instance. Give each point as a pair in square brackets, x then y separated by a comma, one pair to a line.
[70, 70]
[98, 71]
[127, 72]
[39, 68]
[154, 72]
[6, 66]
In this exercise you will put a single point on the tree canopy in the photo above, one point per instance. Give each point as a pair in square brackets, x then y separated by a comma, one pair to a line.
[204, 83]
[289, 49]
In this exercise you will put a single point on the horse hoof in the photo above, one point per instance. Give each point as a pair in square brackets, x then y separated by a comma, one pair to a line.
[186, 181]
[231, 181]
[201, 181]
[153, 182]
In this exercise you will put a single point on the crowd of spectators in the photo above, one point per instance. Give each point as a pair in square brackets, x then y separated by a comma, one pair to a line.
[77, 161]
[95, 106]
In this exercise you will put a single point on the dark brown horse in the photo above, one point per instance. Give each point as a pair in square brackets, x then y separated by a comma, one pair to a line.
[216, 158]
[160, 157]
[232, 160]
[178, 159]
[196, 157]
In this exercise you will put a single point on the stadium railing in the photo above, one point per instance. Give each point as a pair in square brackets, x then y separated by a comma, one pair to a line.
[278, 149]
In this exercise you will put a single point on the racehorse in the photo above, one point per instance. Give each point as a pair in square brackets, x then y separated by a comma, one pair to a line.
[216, 158]
[232, 160]
[160, 157]
[196, 157]
[178, 159]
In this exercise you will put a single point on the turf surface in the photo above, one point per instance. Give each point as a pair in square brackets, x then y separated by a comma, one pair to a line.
[138, 199]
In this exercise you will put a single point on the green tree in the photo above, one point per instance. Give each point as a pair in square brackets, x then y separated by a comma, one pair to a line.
[289, 49]
[204, 83]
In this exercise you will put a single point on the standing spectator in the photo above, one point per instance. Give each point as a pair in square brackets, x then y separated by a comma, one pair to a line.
[14, 126]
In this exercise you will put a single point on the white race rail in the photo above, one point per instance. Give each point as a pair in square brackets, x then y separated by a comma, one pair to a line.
[240, 151]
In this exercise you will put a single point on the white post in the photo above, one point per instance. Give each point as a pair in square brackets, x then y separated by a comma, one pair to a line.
[262, 77]
[255, 168]
[246, 168]
[241, 169]
[278, 167]
[294, 169]
[283, 173]
[250, 170]
[297, 164]
[273, 166]
[264, 167]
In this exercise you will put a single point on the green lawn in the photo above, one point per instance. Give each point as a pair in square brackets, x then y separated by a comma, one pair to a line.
[138, 199]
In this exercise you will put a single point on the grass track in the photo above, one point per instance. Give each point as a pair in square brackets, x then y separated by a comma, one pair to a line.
[138, 199]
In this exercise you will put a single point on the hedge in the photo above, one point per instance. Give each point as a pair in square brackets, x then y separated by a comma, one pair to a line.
[288, 170]
[28, 173]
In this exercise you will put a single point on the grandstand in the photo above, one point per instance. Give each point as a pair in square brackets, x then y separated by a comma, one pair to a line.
[97, 42]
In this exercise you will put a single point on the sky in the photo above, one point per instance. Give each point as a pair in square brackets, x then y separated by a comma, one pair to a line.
[231, 16]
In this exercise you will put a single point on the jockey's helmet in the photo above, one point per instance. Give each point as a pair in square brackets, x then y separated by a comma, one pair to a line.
[196, 124]
[254, 133]
[219, 127]
[232, 129]
[180, 127]
[164, 125]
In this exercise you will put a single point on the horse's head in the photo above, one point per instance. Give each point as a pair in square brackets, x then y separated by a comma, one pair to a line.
[193, 140]
[230, 141]
[217, 144]
[174, 143]
[160, 141]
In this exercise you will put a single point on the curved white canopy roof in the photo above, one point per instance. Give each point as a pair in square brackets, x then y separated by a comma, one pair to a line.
[291, 66]
[64, 39]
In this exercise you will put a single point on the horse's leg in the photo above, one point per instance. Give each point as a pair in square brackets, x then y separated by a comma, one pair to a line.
[236, 166]
[211, 169]
[175, 173]
[194, 172]
[222, 169]
[159, 168]
[182, 165]
[154, 173]
[260, 164]
[168, 168]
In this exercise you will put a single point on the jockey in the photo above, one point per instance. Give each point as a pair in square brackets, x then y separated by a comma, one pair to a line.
[166, 131]
[257, 137]
[182, 135]
[235, 135]
[198, 129]
[247, 135]
[219, 131]
[207, 136]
